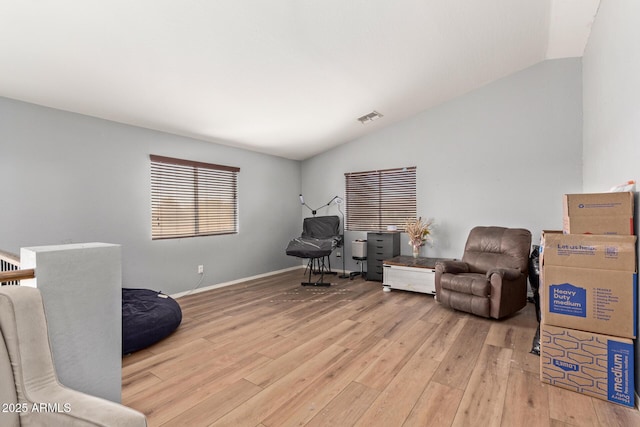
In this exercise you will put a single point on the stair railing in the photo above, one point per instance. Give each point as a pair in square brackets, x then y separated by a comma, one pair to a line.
[10, 271]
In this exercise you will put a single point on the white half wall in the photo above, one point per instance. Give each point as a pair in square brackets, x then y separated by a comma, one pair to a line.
[81, 288]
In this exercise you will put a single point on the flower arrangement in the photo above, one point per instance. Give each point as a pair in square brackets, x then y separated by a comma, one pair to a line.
[419, 232]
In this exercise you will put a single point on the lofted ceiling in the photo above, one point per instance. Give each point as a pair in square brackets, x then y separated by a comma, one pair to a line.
[283, 77]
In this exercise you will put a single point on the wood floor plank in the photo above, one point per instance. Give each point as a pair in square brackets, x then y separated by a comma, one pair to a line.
[364, 328]
[527, 361]
[512, 335]
[214, 407]
[191, 362]
[346, 408]
[311, 320]
[269, 353]
[254, 338]
[437, 313]
[137, 383]
[181, 393]
[399, 321]
[502, 335]
[446, 333]
[174, 355]
[324, 389]
[297, 334]
[141, 355]
[526, 402]
[483, 400]
[519, 339]
[263, 404]
[571, 408]
[436, 407]
[460, 359]
[370, 305]
[384, 369]
[281, 366]
[395, 402]
[187, 334]
[615, 415]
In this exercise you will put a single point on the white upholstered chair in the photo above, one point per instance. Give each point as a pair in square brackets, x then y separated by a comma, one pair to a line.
[30, 393]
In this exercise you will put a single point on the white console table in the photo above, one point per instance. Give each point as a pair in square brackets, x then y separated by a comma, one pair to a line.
[410, 274]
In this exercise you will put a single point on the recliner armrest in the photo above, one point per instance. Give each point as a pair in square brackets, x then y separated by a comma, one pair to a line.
[505, 273]
[453, 267]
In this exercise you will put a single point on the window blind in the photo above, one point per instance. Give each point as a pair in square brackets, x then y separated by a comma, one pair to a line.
[192, 198]
[377, 199]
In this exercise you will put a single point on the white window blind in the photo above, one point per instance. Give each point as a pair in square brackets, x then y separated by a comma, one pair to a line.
[377, 199]
[192, 198]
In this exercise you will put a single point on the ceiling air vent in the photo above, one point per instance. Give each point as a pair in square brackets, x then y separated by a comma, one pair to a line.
[374, 115]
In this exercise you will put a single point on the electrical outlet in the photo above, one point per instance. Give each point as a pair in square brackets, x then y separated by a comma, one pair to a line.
[338, 254]
[201, 269]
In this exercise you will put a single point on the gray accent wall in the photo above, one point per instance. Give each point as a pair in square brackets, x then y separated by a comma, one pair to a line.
[501, 155]
[611, 91]
[69, 178]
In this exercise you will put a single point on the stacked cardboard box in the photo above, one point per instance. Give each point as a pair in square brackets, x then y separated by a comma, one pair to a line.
[598, 213]
[588, 289]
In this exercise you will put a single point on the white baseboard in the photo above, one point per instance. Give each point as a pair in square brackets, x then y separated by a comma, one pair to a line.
[233, 282]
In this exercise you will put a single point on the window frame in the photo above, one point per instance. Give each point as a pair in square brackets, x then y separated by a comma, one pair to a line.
[200, 199]
[379, 198]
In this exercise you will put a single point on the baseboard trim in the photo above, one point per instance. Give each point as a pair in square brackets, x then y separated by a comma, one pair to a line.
[233, 282]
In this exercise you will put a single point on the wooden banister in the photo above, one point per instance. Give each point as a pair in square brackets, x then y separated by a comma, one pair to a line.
[10, 271]
[16, 275]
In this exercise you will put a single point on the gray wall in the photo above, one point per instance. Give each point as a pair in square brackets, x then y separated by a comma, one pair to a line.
[69, 178]
[611, 91]
[501, 155]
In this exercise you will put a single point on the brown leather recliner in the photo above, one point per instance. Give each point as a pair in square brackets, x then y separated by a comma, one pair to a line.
[491, 278]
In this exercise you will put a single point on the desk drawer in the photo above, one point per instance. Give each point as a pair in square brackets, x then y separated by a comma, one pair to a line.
[380, 252]
[380, 246]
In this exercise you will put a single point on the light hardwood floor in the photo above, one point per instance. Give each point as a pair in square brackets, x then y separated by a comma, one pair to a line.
[270, 352]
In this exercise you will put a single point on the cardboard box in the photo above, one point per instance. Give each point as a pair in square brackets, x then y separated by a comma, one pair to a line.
[591, 251]
[543, 239]
[598, 365]
[601, 301]
[598, 213]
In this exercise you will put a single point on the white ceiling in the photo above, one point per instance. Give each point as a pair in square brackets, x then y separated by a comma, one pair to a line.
[284, 77]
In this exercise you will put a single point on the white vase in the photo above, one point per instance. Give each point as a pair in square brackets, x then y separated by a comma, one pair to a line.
[416, 251]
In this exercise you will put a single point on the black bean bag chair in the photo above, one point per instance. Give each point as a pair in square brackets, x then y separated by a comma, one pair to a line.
[147, 317]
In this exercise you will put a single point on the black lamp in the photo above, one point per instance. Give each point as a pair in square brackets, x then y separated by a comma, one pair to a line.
[339, 201]
[315, 211]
